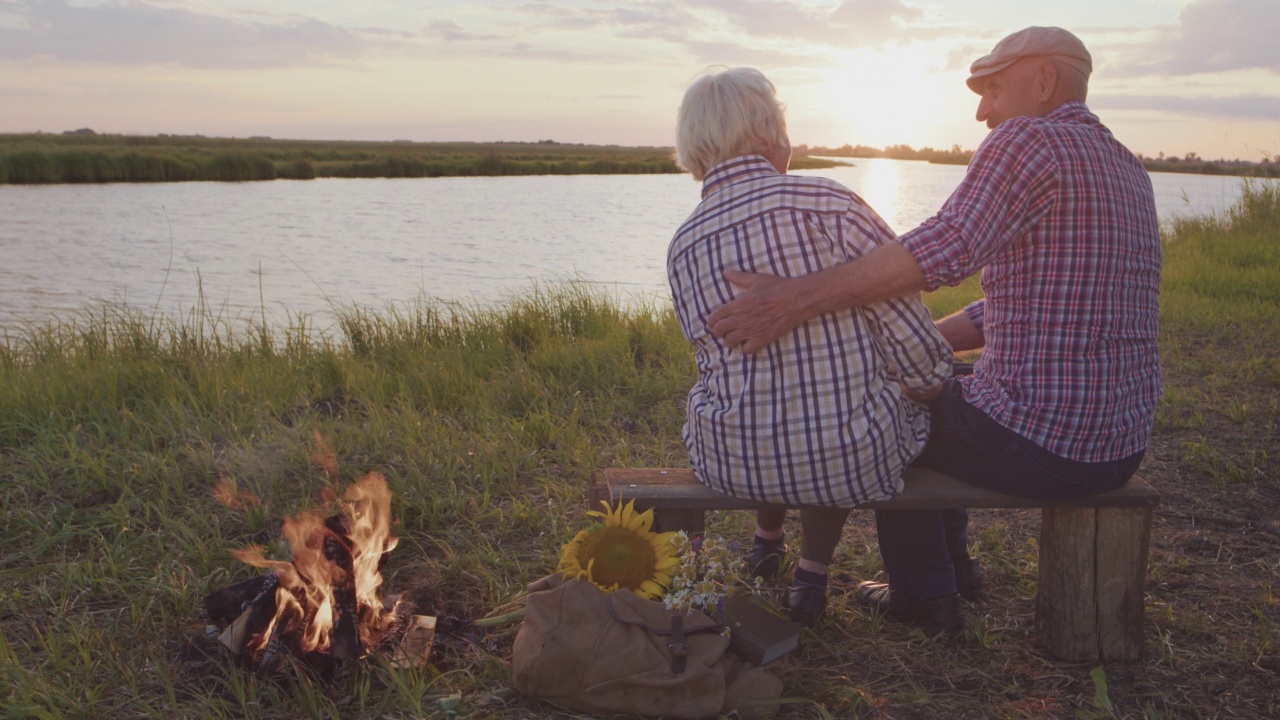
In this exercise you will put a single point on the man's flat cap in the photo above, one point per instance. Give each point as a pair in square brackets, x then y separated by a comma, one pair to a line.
[1051, 42]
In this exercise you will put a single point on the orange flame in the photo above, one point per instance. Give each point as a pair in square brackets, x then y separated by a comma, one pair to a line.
[335, 559]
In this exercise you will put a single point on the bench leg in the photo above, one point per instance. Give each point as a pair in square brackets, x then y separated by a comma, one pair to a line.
[693, 522]
[599, 494]
[1093, 563]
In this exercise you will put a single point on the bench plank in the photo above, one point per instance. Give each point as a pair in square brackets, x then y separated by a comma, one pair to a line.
[677, 488]
[1093, 550]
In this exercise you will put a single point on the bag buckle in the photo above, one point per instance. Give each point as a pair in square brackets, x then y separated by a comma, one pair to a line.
[679, 651]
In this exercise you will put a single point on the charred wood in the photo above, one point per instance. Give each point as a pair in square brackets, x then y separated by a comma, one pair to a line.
[225, 605]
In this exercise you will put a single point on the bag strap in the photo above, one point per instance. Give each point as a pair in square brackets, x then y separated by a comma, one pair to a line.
[677, 632]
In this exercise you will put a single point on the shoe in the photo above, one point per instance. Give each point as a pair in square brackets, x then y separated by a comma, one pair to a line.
[968, 578]
[765, 561]
[940, 615]
[806, 604]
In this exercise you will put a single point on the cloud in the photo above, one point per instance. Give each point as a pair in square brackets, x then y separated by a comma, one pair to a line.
[871, 19]
[764, 32]
[852, 22]
[141, 34]
[732, 53]
[1247, 107]
[1218, 36]
[451, 31]
[526, 51]
[767, 18]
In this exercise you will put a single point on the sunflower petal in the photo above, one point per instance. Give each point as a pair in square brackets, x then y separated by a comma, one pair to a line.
[641, 522]
[652, 589]
[662, 546]
[623, 512]
[668, 537]
[666, 563]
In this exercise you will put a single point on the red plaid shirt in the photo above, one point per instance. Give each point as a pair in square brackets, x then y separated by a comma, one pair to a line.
[1061, 219]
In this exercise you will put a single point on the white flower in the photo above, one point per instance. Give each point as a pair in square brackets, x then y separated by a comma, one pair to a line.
[703, 575]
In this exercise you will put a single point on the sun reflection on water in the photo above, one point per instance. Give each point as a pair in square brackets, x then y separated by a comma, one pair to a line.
[882, 186]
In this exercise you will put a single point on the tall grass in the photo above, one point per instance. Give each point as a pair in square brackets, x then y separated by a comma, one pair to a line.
[43, 158]
[1220, 310]
[1225, 269]
[395, 166]
[488, 423]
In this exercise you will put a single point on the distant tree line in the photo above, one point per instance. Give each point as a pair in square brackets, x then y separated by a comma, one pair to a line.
[85, 156]
[955, 156]
[1190, 163]
[1193, 163]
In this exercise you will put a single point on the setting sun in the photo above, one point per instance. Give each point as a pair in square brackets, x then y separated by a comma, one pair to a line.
[878, 97]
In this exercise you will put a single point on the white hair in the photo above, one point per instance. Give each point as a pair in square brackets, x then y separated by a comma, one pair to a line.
[727, 113]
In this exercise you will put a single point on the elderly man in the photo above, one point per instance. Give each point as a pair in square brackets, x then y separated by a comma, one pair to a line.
[1061, 220]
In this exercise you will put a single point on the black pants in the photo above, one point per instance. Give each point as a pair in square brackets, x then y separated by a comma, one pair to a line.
[917, 545]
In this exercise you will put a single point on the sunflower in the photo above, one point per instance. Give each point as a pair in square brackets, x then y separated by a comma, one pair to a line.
[621, 553]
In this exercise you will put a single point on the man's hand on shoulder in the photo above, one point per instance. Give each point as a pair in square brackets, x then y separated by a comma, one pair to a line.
[770, 306]
[760, 314]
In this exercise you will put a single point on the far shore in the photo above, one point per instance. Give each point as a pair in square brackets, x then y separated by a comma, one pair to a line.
[88, 157]
[44, 158]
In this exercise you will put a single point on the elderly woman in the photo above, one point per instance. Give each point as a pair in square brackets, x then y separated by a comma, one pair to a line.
[819, 419]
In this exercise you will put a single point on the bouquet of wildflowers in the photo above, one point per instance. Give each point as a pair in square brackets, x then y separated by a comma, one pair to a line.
[704, 575]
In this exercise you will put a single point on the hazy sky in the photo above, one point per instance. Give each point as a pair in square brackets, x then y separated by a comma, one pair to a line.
[1170, 76]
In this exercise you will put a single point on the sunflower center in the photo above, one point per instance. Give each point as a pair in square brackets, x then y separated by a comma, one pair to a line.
[621, 556]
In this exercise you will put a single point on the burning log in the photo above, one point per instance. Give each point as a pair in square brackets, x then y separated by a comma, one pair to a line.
[225, 605]
[323, 606]
[344, 642]
[254, 619]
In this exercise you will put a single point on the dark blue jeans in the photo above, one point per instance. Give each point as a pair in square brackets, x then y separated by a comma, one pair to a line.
[917, 545]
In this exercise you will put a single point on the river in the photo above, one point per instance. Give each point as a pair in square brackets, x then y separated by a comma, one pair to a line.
[281, 249]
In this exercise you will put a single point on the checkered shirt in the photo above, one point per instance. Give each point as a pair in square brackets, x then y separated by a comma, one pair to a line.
[817, 417]
[1061, 219]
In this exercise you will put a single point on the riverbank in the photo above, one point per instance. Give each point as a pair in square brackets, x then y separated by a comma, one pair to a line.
[1191, 164]
[90, 158]
[115, 428]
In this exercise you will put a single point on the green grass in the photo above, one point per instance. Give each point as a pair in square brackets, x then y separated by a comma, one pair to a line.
[488, 424]
[1221, 315]
[44, 158]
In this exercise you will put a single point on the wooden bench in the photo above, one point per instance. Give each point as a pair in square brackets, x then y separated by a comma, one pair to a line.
[1093, 551]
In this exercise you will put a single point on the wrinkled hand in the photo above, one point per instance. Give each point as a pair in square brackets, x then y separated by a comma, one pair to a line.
[760, 314]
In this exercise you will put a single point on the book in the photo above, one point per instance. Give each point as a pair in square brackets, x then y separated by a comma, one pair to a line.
[756, 633]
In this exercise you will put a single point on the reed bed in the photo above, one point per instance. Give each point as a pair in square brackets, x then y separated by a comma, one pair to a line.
[45, 158]
[488, 424]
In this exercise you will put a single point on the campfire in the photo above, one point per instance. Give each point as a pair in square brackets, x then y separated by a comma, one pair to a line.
[323, 607]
